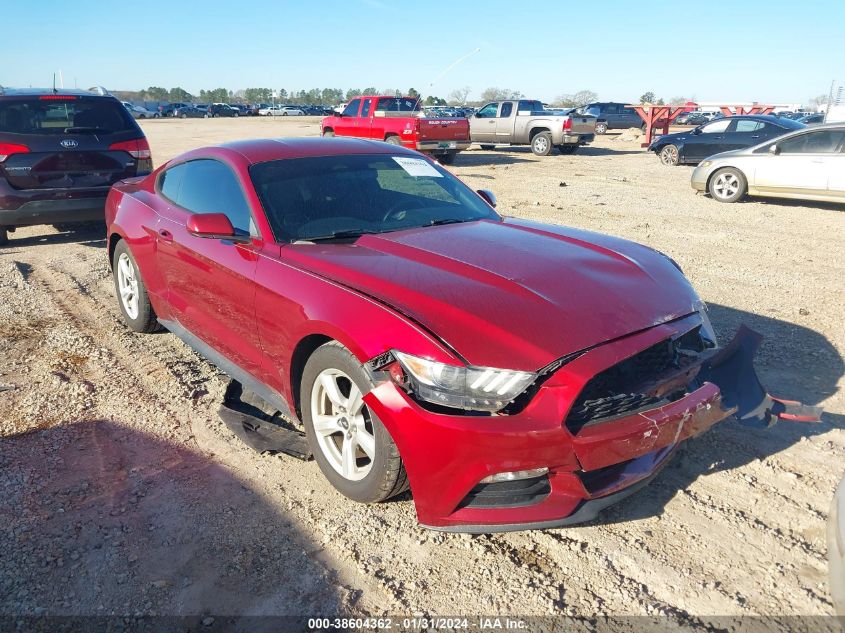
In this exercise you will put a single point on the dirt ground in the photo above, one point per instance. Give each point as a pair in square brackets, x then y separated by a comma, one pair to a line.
[123, 493]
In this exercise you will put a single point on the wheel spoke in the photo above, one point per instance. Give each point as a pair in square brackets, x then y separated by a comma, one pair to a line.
[367, 443]
[332, 391]
[354, 402]
[325, 424]
[348, 457]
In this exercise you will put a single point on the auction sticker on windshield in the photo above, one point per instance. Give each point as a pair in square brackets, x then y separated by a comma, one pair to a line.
[417, 167]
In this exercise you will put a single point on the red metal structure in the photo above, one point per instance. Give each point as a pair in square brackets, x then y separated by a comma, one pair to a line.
[740, 110]
[656, 115]
[662, 116]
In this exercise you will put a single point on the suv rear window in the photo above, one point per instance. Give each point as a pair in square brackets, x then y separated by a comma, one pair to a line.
[37, 115]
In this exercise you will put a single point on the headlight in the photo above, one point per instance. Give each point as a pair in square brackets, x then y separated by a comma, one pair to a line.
[474, 388]
[706, 163]
[706, 326]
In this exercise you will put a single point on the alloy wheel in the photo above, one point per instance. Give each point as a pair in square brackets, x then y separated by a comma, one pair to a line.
[127, 284]
[342, 424]
[669, 155]
[726, 185]
[541, 144]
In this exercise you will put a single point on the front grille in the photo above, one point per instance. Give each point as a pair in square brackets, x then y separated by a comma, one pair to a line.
[629, 386]
[508, 494]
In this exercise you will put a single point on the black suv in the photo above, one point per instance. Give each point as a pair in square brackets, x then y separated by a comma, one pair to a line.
[60, 152]
[612, 116]
[221, 109]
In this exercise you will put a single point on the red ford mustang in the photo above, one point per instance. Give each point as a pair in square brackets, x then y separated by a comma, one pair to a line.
[512, 374]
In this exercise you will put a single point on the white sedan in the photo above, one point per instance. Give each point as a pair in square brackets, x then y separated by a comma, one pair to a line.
[807, 165]
[281, 111]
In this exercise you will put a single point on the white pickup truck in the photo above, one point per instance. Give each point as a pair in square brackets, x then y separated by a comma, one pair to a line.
[525, 122]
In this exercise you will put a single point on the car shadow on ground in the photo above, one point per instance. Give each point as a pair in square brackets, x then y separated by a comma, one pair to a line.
[87, 233]
[101, 519]
[606, 151]
[788, 202]
[491, 157]
[794, 362]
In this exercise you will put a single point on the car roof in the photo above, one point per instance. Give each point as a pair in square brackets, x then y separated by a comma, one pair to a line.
[59, 92]
[262, 150]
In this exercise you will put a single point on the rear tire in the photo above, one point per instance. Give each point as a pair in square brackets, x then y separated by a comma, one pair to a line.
[727, 185]
[670, 156]
[328, 133]
[447, 159]
[567, 149]
[131, 292]
[346, 423]
[393, 140]
[541, 144]
[601, 128]
[4, 237]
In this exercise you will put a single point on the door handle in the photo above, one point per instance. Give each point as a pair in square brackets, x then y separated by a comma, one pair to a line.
[756, 136]
[166, 235]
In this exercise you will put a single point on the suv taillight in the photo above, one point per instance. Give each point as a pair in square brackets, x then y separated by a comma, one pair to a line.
[137, 148]
[567, 125]
[7, 149]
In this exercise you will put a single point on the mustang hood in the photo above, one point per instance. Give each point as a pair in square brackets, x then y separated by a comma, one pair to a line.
[510, 294]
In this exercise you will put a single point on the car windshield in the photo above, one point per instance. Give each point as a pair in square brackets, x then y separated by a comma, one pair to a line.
[54, 115]
[337, 197]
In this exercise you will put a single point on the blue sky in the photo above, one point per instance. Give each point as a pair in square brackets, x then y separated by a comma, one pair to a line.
[765, 51]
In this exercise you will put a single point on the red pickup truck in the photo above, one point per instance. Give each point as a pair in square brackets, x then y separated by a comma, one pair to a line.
[399, 120]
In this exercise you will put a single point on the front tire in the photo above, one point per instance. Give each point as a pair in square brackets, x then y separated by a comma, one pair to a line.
[4, 237]
[670, 156]
[728, 185]
[488, 147]
[131, 292]
[601, 128]
[541, 144]
[350, 445]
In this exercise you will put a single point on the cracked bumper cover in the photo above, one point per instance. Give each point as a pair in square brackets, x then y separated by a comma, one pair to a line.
[447, 455]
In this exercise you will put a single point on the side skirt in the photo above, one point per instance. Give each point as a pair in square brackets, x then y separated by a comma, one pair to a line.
[266, 393]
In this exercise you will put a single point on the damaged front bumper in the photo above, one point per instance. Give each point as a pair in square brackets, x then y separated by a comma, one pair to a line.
[589, 466]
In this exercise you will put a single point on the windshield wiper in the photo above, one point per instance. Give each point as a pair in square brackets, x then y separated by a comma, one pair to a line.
[335, 235]
[450, 221]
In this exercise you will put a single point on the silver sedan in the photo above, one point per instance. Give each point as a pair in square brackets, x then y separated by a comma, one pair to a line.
[806, 165]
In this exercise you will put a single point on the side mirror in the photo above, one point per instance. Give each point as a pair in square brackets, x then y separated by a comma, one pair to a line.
[774, 150]
[696, 131]
[489, 196]
[214, 226]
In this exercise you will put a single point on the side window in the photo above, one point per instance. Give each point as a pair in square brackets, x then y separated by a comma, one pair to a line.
[820, 142]
[746, 126]
[717, 127]
[488, 111]
[352, 108]
[611, 108]
[507, 108]
[170, 181]
[385, 105]
[209, 186]
[365, 110]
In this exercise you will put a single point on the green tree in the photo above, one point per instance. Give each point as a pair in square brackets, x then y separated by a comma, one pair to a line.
[179, 95]
[413, 93]
[353, 92]
[648, 97]
[155, 93]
